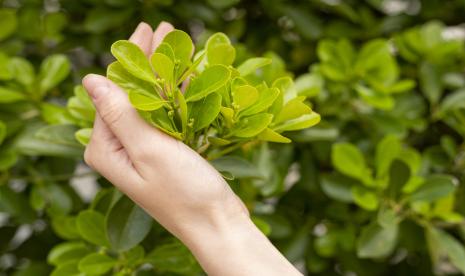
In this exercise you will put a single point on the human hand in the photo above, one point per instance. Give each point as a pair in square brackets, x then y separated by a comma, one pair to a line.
[174, 184]
[164, 176]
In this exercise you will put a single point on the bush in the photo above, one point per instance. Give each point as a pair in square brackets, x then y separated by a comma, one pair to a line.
[375, 188]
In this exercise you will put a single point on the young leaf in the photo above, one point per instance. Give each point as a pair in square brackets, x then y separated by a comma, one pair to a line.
[210, 80]
[270, 135]
[83, 135]
[182, 45]
[244, 96]
[219, 50]
[133, 60]
[302, 122]
[166, 49]
[252, 126]
[145, 102]
[251, 65]
[129, 83]
[292, 110]
[163, 66]
[266, 98]
[205, 111]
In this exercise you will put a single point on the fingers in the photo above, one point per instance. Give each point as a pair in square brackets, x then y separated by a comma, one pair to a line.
[162, 30]
[142, 37]
[122, 119]
[105, 154]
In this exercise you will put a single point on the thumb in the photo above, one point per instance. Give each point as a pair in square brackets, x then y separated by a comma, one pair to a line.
[117, 113]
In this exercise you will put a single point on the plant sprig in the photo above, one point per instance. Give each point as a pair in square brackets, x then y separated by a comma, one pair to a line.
[206, 101]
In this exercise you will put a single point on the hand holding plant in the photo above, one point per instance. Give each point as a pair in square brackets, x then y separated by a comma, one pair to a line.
[174, 184]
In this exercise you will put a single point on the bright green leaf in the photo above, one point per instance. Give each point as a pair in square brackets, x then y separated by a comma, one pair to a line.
[133, 60]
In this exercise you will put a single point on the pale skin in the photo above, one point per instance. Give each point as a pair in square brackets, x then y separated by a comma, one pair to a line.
[175, 185]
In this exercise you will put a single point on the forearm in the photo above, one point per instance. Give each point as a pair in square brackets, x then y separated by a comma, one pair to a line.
[235, 246]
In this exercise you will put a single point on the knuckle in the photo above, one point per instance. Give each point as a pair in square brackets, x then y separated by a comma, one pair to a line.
[112, 112]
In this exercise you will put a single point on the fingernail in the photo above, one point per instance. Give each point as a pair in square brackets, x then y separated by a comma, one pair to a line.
[98, 92]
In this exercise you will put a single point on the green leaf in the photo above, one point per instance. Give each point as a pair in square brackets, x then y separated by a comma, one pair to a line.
[134, 256]
[81, 107]
[8, 95]
[2, 132]
[8, 22]
[58, 134]
[293, 109]
[376, 241]
[244, 96]
[210, 80]
[386, 151]
[270, 135]
[8, 159]
[365, 198]
[399, 176]
[262, 225]
[129, 83]
[145, 102]
[67, 252]
[96, 264]
[91, 227]
[172, 257]
[302, 122]
[53, 70]
[265, 100]
[430, 82]
[387, 218]
[126, 224]
[252, 125]
[23, 72]
[83, 135]
[55, 143]
[374, 98]
[338, 187]
[163, 66]
[219, 50]
[442, 243]
[434, 187]
[205, 111]
[251, 65]
[349, 160]
[68, 269]
[182, 45]
[65, 227]
[237, 166]
[133, 60]
[166, 49]
[5, 71]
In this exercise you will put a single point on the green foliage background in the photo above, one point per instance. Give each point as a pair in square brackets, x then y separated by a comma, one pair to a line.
[377, 188]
